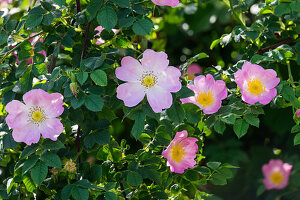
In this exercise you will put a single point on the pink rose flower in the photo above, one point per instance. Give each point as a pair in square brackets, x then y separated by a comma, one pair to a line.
[33, 42]
[172, 3]
[208, 93]
[276, 174]
[181, 152]
[193, 69]
[37, 116]
[151, 77]
[256, 83]
[298, 113]
[100, 29]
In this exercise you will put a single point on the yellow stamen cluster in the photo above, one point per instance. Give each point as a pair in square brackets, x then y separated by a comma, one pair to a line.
[177, 153]
[148, 79]
[256, 87]
[36, 115]
[205, 98]
[276, 178]
[70, 166]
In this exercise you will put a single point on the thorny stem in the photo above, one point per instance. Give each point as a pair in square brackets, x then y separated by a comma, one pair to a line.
[78, 6]
[85, 40]
[121, 184]
[17, 46]
[274, 46]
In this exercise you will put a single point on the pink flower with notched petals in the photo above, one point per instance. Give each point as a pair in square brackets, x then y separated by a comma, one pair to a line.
[100, 29]
[37, 116]
[172, 3]
[151, 77]
[193, 69]
[256, 83]
[181, 152]
[208, 93]
[276, 174]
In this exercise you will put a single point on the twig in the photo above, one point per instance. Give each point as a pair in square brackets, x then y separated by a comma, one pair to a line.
[78, 6]
[53, 59]
[78, 143]
[274, 46]
[121, 184]
[86, 34]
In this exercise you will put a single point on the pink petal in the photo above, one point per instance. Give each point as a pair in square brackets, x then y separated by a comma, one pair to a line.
[51, 128]
[130, 70]
[220, 89]
[194, 69]
[159, 99]
[55, 106]
[172, 3]
[15, 107]
[130, 93]
[169, 79]
[28, 134]
[270, 79]
[267, 96]
[154, 61]
[17, 120]
[36, 97]
[181, 135]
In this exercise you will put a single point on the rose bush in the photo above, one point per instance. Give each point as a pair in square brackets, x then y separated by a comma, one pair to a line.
[92, 106]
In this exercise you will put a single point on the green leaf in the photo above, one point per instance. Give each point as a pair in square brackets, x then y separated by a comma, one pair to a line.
[142, 27]
[52, 145]
[93, 62]
[281, 9]
[214, 43]
[66, 192]
[99, 77]
[33, 20]
[29, 184]
[185, 92]
[240, 127]
[39, 173]
[107, 17]
[126, 22]
[8, 141]
[288, 94]
[92, 9]
[227, 173]
[218, 179]
[28, 151]
[229, 119]
[139, 122]
[3, 37]
[48, 19]
[59, 2]
[28, 164]
[110, 196]
[96, 173]
[79, 193]
[82, 77]
[219, 127]
[122, 3]
[134, 179]
[176, 113]
[202, 55]
[213, 165]
[297, 139]
[252, 119]
[93, 102]
[51, 159]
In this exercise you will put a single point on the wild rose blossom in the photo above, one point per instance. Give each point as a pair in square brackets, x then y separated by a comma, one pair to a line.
[172, 3]
[256, 83]
[193, 69]
[181, 152]
[151, 77]
[276, 174]
[37, 116]
[208, 93]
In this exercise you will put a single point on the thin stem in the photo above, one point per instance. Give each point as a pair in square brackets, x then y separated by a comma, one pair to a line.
[235, 14]
[17, 46]
[86, 34]
[78, 143]
[290, 73]
[78, 6]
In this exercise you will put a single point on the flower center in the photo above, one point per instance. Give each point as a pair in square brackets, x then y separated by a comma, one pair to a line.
[205, 98]
[177, 153]
[276, 178]
[256, 87]
[36, 115]
[148, 80]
